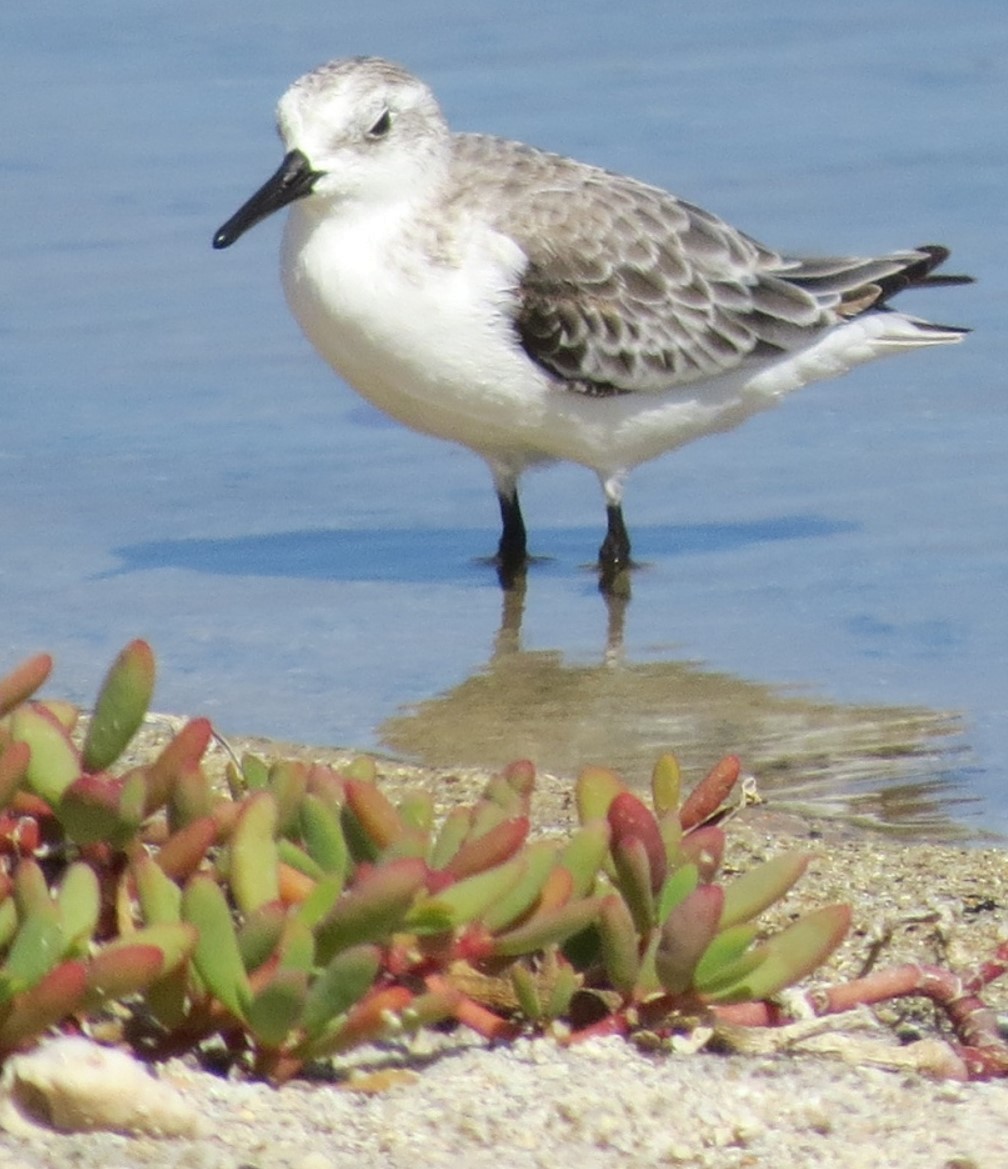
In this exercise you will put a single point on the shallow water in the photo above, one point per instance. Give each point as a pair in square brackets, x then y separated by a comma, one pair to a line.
[824, 587]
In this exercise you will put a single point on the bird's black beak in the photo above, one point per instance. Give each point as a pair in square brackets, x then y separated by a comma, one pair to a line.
[293, 180]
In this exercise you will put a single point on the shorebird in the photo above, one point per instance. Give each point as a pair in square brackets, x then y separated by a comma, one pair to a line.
[533, 308]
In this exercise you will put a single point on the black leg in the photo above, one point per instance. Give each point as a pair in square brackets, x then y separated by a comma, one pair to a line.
[614, 555]
[512, 551]
[615, 551]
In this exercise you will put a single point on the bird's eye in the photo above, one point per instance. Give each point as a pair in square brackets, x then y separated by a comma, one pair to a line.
[381, 127]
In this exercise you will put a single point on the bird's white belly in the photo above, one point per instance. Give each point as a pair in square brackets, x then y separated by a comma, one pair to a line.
[431, 348]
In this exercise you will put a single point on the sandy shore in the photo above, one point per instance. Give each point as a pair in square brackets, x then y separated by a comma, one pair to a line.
[830, 1098]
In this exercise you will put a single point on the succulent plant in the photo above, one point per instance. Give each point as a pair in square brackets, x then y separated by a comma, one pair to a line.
[303, 911]
[665, 931]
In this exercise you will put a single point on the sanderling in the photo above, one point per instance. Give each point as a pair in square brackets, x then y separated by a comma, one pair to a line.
[534, 308]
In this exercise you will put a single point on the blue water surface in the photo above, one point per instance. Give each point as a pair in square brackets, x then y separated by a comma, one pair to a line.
[175, 463]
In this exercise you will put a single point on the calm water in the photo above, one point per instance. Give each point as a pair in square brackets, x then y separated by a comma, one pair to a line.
[826, 585]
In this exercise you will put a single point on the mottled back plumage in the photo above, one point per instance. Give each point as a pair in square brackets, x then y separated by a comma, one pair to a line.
[629, 288]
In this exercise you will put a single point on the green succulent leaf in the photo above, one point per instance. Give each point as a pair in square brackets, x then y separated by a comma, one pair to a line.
[345, 979]
[181, 754]
[322, 834]
[633, 872]
[259, 934]
[685, 934]
[464, 901]
[31, 892]
[175, 942]
[253, 858]
[583, 855]
[189, 798]
[479, 852]
[131, 969]
[78, 900]
[732, 974]
[132, 801]
[328, 786]
[167, 998]
[217, 957]
[454, 829]
[58, 994]
[65, 713]
[184, 851]
[159, 897]
[290, 854]
[416, 809]
[526, 990]
[594, 791]
[296, 949]
[539, 859]
[37, 947]
[430, 1008]
[552, 927]
[723, 953]
[373, 1017]
[666, 786]
[255, 773]
[8, 921]
[54, 763]
[671, 834]
[504, 797]
[678, 886]
[620, 945]
[361, 767]
[411, 844]
[276, 1009]
[375, 815]
[321, 900]
[648, 982]
[790, 955]
[760, 887]
[520, 776]
[120, 707]
[486, 814]
[565, 982]
[288, 782]
[91, 809]
[372, 908]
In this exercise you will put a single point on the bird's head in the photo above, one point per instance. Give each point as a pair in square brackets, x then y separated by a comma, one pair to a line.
[361, 130]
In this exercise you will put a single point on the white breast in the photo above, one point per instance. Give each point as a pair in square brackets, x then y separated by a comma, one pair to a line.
[424, 338]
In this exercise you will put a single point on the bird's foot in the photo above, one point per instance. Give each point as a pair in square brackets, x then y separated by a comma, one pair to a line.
[511, 574]
[614, 577]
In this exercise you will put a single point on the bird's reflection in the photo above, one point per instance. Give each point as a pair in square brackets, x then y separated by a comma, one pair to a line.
[892, 767]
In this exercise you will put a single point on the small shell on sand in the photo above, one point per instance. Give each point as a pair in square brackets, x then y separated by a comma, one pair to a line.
[73, 1085]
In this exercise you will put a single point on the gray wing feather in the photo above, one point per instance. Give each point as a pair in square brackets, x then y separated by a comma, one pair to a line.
[628, 288]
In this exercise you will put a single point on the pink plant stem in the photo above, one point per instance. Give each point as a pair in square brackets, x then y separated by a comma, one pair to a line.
[472, 1014]
[987, 971]
[759, 1014]
[973, 1022]
[980, 1046]
[614, 1024]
